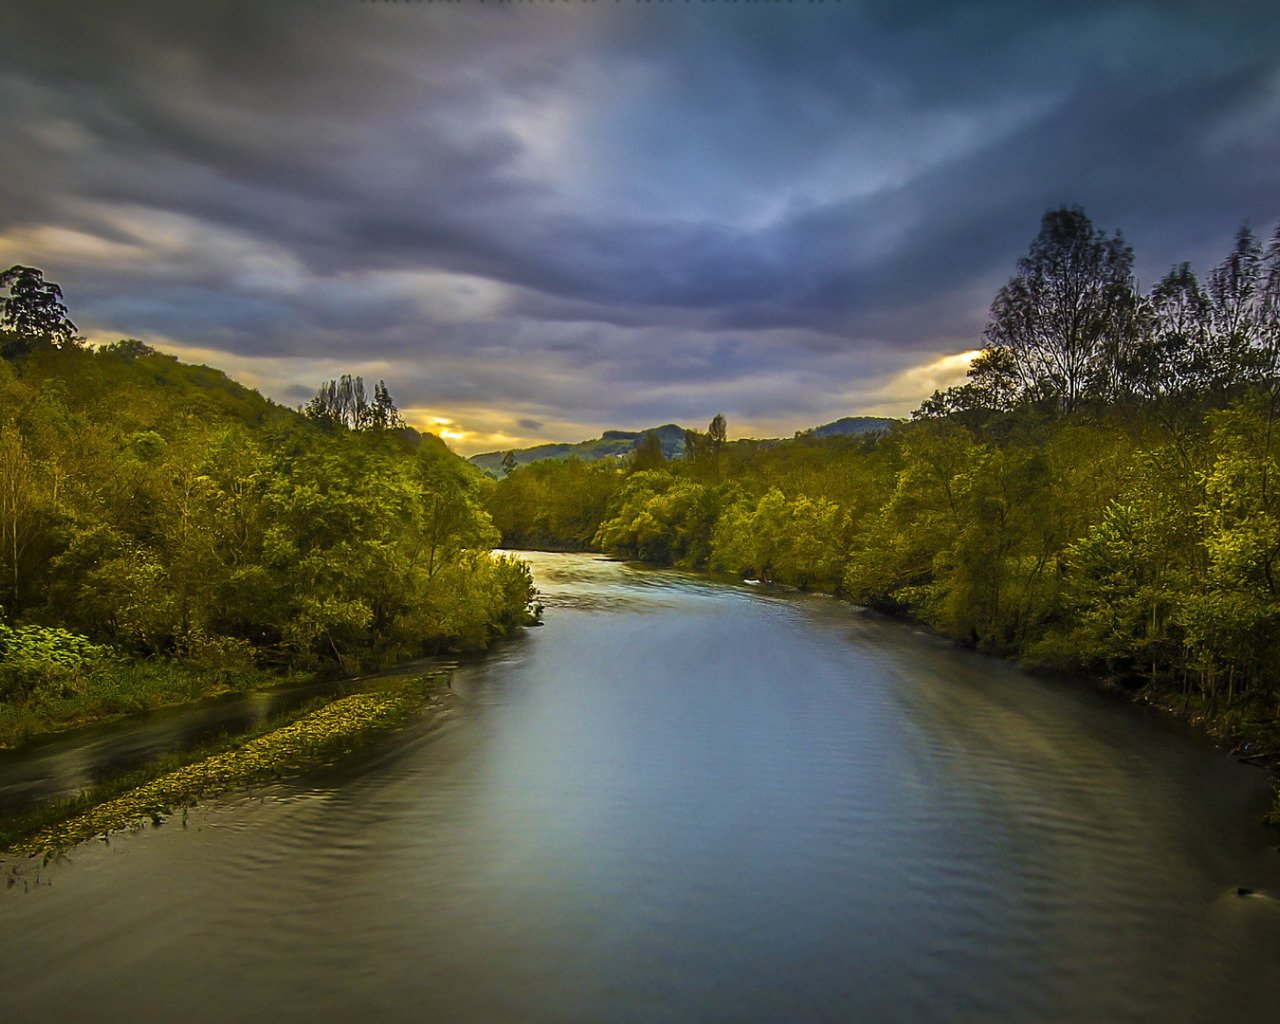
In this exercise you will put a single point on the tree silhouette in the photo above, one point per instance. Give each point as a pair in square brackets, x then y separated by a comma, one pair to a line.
[344, 402]
[33, 310]
[1067, 317]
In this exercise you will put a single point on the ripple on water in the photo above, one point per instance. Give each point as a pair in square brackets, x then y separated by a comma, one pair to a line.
[680, 801]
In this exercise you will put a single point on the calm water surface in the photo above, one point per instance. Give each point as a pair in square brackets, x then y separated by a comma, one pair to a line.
[685, 802]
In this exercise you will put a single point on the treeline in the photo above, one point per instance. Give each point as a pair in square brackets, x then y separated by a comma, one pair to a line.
[1102, 493]
[153, 509]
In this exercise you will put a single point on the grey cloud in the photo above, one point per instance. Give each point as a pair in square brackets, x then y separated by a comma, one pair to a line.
[674, 203]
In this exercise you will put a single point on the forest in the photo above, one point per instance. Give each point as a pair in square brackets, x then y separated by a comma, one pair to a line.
[1102, 494]
[166, 533]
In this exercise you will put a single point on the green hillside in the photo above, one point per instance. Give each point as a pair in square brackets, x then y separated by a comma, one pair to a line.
[617, 444]
[848, 425]
[612, 444]
[166, 532]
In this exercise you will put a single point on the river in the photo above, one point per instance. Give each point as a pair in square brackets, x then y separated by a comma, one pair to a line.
[682, 801]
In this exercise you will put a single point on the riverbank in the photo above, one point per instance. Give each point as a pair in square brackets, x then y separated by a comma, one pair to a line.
[291, 743]
[66, 697]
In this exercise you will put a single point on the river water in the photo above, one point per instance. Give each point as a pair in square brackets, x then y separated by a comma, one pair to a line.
[679, 801]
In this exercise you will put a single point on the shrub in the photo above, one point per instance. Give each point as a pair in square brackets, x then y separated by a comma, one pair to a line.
[43, 662]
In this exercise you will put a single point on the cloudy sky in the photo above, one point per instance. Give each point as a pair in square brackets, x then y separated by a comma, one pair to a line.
[539, 219]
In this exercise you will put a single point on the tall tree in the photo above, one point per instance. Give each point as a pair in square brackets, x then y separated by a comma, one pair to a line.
[1170, 358]
[18, 505]
[1066, 318]
[344, 402]
[384, 415]
[1243, 317]
[648, 453]
[717, 431]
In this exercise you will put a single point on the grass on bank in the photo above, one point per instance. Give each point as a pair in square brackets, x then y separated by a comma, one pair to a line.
[114, 689]
[301, 738]
[53, 679]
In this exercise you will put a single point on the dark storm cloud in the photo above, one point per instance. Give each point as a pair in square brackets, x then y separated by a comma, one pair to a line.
[580, 213]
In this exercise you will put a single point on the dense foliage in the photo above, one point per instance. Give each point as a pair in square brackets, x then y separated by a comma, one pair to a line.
[153, 509]
[1103, 492]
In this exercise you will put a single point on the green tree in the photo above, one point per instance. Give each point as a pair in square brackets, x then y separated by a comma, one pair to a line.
[660, 518]
[1124, 577]
[891, 561]
[384, 415]
[1233, 619]
[648, 454]
[717, 435]
[449, 514]
[20, 502]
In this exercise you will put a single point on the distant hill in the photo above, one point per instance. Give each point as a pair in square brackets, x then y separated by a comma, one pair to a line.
[612, 444]
[617, 444]
[853, 425]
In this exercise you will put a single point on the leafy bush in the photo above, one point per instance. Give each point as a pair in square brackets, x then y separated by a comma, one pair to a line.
[42, 662]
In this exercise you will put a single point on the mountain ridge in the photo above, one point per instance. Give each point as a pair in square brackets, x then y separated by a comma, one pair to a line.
[621, 443]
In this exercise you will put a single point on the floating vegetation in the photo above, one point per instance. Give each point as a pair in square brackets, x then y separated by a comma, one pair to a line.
[336, 727]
